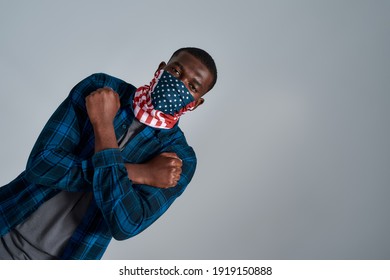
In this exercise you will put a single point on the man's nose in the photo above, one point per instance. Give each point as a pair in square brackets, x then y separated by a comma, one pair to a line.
[184, 79]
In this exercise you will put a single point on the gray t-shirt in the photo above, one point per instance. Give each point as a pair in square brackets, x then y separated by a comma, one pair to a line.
[34, 239]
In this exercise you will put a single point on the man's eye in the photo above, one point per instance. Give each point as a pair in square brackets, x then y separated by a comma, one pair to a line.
[192, 87]
[175, 71]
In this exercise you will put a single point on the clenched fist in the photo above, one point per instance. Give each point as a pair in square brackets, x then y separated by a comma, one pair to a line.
[162, 171]
[165, 170]
[102, 106]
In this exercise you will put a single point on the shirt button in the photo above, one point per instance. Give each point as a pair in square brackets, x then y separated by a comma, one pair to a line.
[124, 126]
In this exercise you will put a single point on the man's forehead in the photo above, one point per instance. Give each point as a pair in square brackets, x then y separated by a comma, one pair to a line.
[190, 62]
[184, 57]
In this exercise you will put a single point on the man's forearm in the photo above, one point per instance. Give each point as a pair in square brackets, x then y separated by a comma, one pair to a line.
[162, 171]
[104, 137]
[136, 173]
[102, 106]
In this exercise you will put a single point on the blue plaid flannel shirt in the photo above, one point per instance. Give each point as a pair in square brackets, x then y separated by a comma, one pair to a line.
[63, 159]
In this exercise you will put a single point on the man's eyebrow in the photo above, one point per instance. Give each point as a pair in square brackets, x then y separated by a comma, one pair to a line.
[179, 65]
[195, 80]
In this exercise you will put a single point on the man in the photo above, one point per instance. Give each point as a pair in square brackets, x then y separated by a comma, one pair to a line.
[108, 163]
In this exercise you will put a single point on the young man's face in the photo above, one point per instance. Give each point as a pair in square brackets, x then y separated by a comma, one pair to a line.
[193, 73]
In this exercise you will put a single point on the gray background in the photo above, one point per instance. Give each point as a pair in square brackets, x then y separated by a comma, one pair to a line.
[293, 142]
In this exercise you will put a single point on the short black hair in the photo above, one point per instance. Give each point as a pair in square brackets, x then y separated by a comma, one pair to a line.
[204, 57]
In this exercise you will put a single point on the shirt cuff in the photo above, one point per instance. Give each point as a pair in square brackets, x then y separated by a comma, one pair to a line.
[107, 158]
[87, 168]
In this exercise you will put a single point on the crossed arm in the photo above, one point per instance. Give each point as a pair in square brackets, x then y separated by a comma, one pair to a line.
[130, 196]
[162, 171]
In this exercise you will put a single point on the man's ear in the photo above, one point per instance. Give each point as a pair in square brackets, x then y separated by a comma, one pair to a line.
[161, 65]
[199, 102]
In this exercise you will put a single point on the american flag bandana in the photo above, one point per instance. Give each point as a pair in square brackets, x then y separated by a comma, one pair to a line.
[161, 103]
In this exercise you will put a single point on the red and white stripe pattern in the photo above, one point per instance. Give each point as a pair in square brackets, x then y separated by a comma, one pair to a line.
[145, 112]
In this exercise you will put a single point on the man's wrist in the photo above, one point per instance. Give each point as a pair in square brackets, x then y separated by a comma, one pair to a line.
[136, 173]
[102, 127]
[104, 136]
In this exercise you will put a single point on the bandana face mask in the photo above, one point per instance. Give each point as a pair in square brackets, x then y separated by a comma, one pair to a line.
[161, 104]
[170, 94]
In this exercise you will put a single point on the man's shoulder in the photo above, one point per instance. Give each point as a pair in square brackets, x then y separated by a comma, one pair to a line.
[185, 152]
[104, 77]
[109, 81]
[100, 80]
[176, 137]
